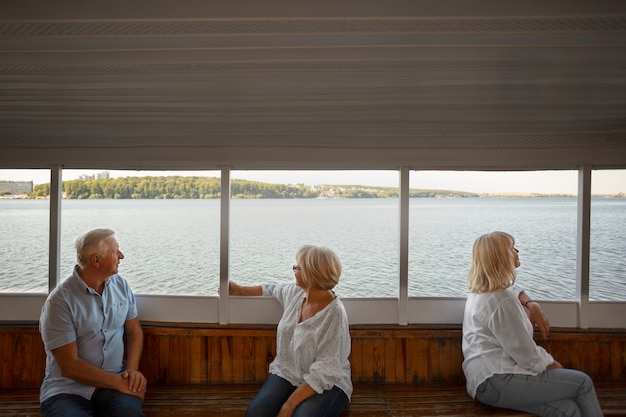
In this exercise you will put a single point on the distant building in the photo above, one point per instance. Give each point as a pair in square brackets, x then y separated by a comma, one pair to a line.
[104, 175]
[16, 187]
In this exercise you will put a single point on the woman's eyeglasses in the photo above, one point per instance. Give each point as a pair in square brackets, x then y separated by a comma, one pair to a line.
[296, 268]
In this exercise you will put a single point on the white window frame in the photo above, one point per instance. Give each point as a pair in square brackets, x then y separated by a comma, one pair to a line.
[403, 310]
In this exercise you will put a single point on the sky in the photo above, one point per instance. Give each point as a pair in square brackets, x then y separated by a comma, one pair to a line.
[541, 182]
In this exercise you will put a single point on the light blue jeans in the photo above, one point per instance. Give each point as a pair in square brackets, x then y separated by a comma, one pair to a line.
[276, 391]
[554, 393]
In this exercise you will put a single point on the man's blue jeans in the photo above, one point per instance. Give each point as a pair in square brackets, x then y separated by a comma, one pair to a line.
[104, 402]
[276, 391]
[554, 393]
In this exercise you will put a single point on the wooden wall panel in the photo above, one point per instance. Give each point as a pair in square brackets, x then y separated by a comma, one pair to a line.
[199, 360]
[390, 359]
[6, 364]
[367, 360]
[356, 357]
[378, 360]
[618, 360]
[175, 359]
[215, 359]
[150, 355]
[400, 364]
[241, 354]
[600, 355]
[22, 357]
[226, 359]
[238, 359]
[264, 351]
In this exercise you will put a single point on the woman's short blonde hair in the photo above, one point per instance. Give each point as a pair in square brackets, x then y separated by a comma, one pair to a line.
[320, 267]
[92, 243]
[493, 266]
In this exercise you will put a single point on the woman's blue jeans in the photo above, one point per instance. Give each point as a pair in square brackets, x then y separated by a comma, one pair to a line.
[276, 391]
[556, 392]
[103, 402]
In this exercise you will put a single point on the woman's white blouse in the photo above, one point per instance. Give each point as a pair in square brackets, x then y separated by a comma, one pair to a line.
[498, 339]
[315, 351]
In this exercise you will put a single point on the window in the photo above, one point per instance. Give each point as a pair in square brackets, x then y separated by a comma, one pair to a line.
[349, 219]
[607, 265]
[170, 241]
[24, 230]
[538, 208]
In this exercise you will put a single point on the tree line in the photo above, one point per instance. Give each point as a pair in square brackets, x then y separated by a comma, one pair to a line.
[182, 187]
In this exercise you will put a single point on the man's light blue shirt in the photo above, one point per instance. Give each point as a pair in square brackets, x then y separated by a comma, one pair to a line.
[74, 312]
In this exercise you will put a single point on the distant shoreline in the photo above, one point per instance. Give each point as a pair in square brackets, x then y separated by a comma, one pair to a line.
[494, 196]
[181, 187]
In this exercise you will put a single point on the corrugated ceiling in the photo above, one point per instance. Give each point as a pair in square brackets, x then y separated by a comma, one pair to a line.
[344, 73]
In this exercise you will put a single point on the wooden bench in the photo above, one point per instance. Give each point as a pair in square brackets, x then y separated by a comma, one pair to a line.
[411, 371]
[369, 400]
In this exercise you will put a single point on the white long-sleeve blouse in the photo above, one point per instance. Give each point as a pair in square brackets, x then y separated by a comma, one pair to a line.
[316, 350]
[498, 339]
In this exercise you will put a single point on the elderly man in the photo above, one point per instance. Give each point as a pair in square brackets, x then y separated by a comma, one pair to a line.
[83, 324]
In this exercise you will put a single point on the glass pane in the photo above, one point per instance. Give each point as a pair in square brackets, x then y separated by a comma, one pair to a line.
[450, 210]
[167, 225]
[24, 231]
[317, 208]
[607, 264]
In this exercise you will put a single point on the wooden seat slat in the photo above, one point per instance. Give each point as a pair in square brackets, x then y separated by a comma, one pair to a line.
[368, 400]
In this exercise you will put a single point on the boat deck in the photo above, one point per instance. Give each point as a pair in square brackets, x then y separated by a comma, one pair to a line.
[369, 400]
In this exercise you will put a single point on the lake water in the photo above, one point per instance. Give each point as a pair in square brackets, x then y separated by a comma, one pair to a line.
[172, 246]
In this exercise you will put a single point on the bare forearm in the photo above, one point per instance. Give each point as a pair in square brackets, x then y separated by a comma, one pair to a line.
[135, 380]
[301, 393]
[535, 314]
[236, 289]
[134, 347]
[87, 374]
[524, 299]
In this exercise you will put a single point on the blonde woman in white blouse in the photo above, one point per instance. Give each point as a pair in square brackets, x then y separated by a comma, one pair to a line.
[310, 375]
[503, 365]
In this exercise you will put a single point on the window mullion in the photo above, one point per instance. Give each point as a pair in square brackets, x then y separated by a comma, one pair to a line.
[54, 257]
[583, 245]
[224, 244]
[403, 301]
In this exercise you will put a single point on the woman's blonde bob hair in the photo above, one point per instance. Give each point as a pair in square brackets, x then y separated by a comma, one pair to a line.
[493, 266]
[320, 267]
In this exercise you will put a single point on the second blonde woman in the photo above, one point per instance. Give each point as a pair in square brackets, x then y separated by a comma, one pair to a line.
[310, 376]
